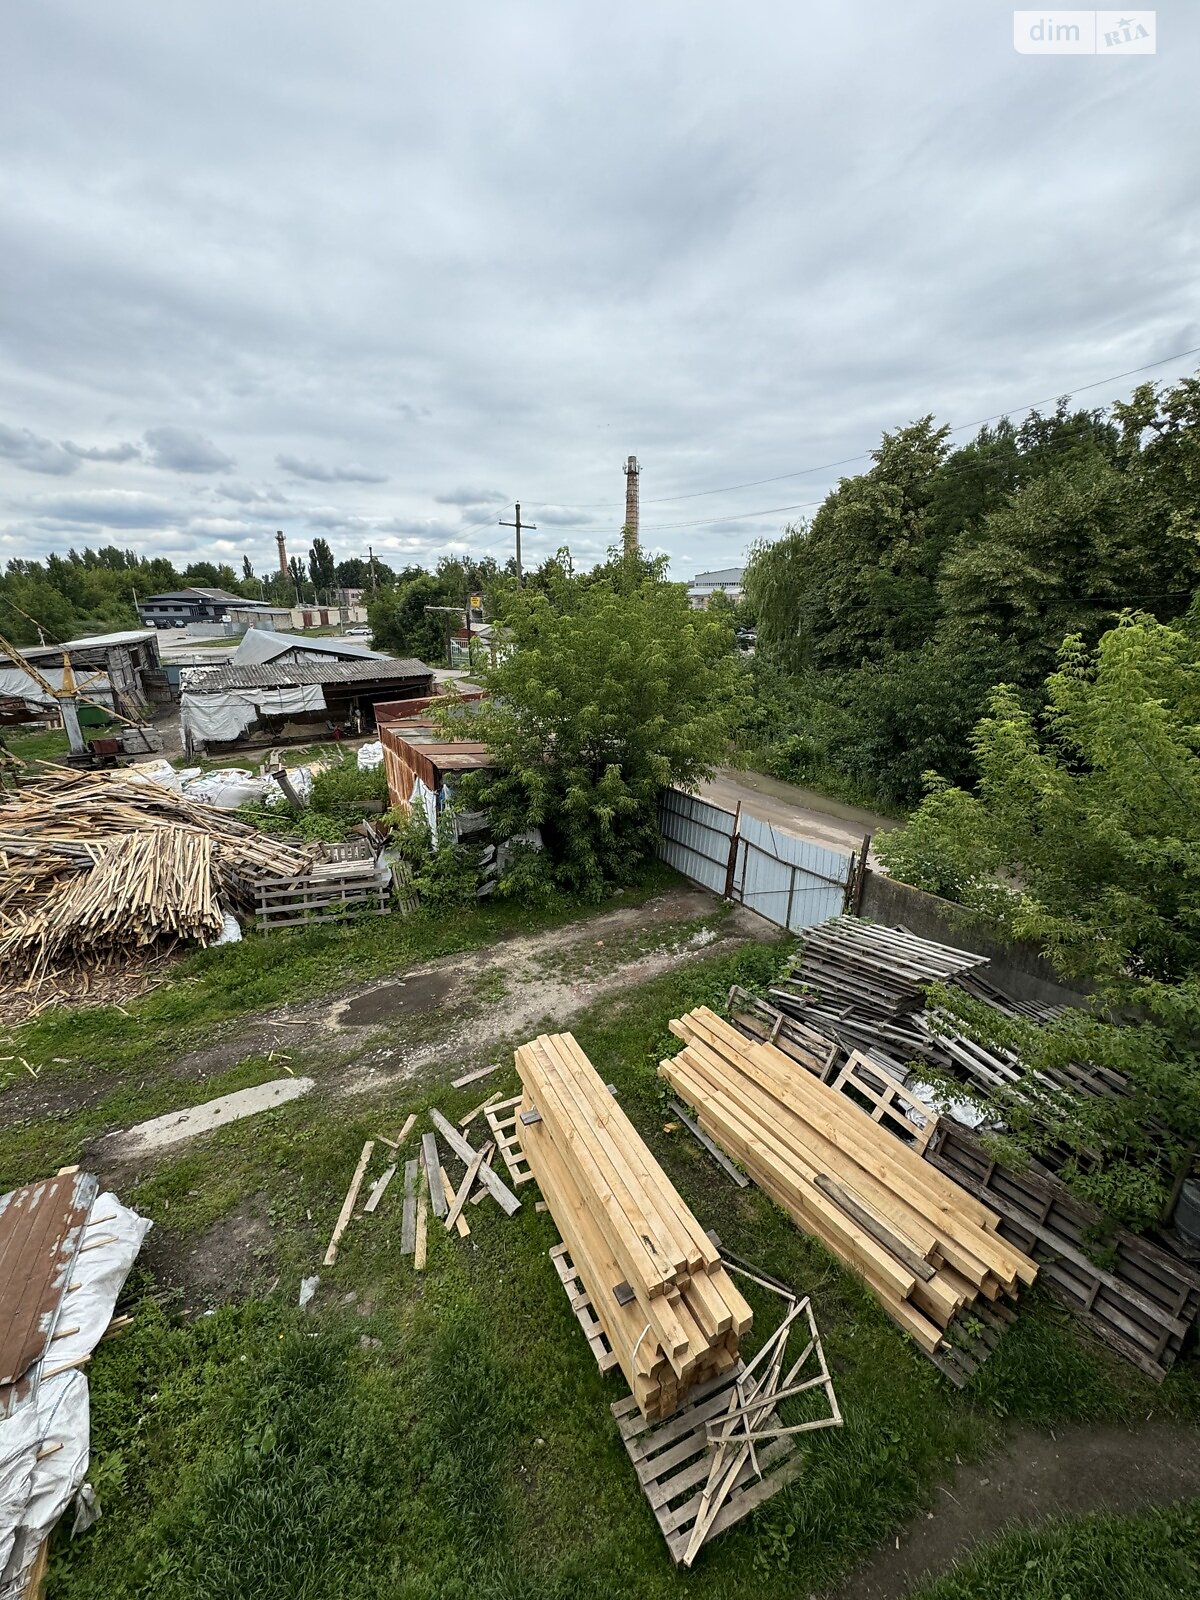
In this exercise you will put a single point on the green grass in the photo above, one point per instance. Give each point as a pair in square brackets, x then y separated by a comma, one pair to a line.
[266, 970]
[470, 1451]
[1154, 1556]
[48, 744]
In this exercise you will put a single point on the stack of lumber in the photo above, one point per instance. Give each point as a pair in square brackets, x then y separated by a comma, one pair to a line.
[656, 1281]
[885, 971]
[101, 872]
[928, 1250]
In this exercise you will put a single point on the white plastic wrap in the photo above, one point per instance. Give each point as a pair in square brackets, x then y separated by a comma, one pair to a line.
[370, 756]
[34, 1495]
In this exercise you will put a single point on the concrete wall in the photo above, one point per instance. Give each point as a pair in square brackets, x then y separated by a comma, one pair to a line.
[1020, 969]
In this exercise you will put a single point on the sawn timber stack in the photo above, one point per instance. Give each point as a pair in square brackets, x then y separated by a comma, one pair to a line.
[670, 1310]
[927, 1249]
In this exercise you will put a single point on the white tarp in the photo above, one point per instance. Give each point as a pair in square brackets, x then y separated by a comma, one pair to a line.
[34, 1492]
[425, 797]
[226, 716]
[370, 756]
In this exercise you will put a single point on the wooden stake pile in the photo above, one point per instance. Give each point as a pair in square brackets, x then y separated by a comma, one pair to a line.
[100, 871]
[928, 1250]
[656, 1281]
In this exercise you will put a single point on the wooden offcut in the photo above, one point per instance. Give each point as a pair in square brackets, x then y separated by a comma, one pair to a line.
[349, 1202]
[672, 1315]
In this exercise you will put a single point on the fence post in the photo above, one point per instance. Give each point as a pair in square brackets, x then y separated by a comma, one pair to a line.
[734, 841]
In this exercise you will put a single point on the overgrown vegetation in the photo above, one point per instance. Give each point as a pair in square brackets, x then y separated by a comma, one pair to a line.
[1084, 836]
[342, 794]
[919, 585]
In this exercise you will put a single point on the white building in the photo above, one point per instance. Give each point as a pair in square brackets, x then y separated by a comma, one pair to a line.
[705, 584]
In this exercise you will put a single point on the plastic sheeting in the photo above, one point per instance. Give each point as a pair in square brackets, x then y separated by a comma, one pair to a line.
[34, 1493]
[229, 787]
[370, 756]
[226, 716]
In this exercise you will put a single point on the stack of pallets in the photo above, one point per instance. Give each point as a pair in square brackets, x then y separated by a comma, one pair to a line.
[929, 1251]
[665, 1302]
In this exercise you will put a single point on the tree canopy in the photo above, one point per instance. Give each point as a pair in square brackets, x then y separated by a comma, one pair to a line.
[937, 573]
[611, 688]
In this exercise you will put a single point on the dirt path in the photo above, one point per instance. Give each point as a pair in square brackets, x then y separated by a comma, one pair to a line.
[800, 811]
[428, 1021]
[1039, 1475]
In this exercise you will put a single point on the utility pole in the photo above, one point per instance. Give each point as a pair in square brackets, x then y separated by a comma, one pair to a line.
[632, 470]
[518, 525]
[371, 553]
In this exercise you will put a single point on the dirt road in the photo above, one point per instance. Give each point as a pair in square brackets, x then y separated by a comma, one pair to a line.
[800, 811]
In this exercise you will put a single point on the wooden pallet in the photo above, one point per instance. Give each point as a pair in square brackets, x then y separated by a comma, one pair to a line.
[325, 895]
[581, 1305]
[889, 1101]
[1144, 1303]
[672, 1461]
[502, 1120]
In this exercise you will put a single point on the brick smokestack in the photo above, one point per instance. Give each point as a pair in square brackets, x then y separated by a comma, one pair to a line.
[632, 470]
[279, 540]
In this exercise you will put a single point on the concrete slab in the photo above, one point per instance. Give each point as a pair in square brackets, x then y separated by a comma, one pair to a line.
[176, 1126]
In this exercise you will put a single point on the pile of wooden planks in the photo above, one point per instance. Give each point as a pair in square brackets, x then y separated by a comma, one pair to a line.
[848, 962]
[929, 1251]
[103, 872]
[671, 1312]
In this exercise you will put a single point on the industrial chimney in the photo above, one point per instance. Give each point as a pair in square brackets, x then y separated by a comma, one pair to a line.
[279, 540]
[631, 506]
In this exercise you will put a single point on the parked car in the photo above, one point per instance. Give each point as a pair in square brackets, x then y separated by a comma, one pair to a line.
[357, 633]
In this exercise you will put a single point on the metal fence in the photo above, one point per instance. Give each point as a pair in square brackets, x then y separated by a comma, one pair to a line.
[784, 878]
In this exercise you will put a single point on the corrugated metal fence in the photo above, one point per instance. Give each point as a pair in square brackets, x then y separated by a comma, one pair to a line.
[785, 879]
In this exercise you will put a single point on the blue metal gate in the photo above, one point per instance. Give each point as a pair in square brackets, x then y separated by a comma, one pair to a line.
[784, 878]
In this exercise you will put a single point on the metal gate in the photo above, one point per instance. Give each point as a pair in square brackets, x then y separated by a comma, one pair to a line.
[784, 878]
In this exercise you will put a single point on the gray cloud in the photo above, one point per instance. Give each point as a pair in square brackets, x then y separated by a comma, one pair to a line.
[35, 454]
[736, 252]
[185, 450]
[111, 452]
[471, 497]
[318, 472]
[103, 508]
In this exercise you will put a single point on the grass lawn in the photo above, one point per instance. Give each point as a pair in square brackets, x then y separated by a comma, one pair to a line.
[48, 744]
[1154, 1556]
[447, 1434]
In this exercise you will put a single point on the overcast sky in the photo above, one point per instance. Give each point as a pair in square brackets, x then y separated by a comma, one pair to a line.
[374, 271]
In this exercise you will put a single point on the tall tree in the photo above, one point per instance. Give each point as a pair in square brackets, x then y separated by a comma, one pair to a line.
[323, 569]
[594, 707]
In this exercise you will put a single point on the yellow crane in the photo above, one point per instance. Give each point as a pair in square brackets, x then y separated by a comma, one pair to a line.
[68, 699]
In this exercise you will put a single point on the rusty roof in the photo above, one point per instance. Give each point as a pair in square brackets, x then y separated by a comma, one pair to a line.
[41, 1227]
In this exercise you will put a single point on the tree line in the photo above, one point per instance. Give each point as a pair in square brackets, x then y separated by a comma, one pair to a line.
[920, 584]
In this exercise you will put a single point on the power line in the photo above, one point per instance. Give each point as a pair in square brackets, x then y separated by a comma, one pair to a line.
[845, 461]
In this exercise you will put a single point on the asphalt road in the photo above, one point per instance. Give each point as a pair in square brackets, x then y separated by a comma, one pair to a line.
[800, 811]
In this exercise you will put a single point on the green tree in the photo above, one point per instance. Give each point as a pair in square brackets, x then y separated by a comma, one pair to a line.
[596, 706]
[323, 569]
[1084, 835]
[401, 623]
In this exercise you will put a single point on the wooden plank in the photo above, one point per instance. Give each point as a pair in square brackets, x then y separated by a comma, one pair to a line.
[465, 1152]
[433, 1172]
[408, 1225]
[473, 1077]
[714, 1150]
[465, 1122]
[460, 1222]
[380, 1188]
[420, 1242]
[460, 1199]
[406, 1129]
[349, 1202]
